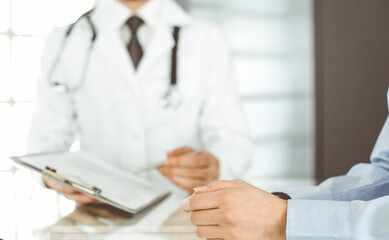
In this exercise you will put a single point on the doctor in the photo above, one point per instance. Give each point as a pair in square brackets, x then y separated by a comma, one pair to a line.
[138, 81]
[354, 206]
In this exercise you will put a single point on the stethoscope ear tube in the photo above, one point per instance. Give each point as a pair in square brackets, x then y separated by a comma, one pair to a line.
[85, 15]
[92, 27]
[173, 80]
[170, 100]
[62, 87]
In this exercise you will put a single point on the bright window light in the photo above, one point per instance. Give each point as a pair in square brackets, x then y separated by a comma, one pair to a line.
[31, 17]
[32, 198]
[7, 206]
[5, 136]
[4, 15]
[21, 118]
[5, 67]
[26, 63]
[39, 17]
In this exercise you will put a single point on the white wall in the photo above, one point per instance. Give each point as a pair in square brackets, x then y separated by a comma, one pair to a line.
[271, 43]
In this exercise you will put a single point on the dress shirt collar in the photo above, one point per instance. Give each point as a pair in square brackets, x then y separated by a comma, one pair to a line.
[155, 13]
[151, 12]
[114, 13]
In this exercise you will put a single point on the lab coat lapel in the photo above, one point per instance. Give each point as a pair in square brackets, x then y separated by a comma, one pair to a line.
[162, 41]
[111, 46]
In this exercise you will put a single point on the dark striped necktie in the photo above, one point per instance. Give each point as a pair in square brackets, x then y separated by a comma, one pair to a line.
[134, 48]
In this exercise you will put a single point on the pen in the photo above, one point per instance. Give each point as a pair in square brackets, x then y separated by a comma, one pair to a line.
[148, 167]
[158, 164]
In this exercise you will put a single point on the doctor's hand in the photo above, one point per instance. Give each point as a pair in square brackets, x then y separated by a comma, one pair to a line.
[68, 192]
[188, 168]
[236, 210]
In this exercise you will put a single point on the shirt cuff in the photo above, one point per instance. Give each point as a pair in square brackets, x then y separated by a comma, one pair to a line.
[311, 193]
[318, 220]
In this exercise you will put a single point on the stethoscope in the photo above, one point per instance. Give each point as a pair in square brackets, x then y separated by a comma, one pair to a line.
[170, 100]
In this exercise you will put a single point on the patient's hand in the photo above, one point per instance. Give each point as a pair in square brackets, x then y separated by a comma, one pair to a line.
[188, 168]
[236, 210]
[68, 192]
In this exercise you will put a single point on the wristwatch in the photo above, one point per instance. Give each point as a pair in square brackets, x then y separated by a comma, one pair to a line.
[282, 195]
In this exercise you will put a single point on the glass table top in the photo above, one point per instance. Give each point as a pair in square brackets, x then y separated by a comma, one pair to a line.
[31, 212]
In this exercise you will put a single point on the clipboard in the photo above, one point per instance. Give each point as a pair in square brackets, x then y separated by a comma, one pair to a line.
[96, 178]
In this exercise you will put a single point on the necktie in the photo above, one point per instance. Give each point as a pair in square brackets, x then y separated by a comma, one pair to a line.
[133, 47]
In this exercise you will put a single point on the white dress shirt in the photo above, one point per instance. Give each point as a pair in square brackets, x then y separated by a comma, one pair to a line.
[149, 13]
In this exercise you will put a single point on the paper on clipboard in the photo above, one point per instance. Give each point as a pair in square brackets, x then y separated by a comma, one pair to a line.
[115, 186]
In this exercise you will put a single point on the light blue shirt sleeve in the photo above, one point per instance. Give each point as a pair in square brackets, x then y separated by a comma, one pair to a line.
[354, 206]
[340, 220]
[362, 182]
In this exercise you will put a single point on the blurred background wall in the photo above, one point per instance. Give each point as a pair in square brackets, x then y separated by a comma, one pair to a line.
[271, 45]
[352, 78]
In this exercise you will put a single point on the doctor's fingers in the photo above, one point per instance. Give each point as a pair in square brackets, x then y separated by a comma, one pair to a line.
[208, 172]
[180, 151]
[59, 187]
[81, 198]
[203, 159]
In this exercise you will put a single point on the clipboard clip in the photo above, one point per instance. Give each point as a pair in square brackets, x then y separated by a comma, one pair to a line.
[94, 191]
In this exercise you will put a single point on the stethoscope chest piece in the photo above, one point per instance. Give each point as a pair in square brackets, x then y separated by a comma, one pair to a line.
[172, 99]
[58, 87]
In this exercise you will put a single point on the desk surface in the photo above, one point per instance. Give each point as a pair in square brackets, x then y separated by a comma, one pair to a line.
[30, 212]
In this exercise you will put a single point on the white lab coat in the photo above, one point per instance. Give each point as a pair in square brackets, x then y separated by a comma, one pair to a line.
[117, 113]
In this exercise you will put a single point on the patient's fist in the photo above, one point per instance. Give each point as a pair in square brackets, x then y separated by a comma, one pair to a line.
[236, 210]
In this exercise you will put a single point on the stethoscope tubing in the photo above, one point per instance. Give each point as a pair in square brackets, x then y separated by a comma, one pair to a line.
[172, 97]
